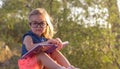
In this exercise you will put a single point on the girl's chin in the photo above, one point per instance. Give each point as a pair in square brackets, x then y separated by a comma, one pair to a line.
[39, 33]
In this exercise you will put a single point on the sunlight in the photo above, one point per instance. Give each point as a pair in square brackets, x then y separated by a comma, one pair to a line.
[1, 3]
[96, 15]
[118, 3]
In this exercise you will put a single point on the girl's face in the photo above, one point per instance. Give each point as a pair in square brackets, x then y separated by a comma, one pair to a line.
[38, 24]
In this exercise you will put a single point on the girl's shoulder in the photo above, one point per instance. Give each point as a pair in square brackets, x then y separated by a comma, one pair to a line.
[34, 37]
[27, 34]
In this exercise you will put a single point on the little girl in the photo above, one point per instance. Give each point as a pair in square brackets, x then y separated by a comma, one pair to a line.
[41, 33]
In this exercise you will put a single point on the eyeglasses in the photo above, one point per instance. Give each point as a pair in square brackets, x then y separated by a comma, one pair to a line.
[35, 24]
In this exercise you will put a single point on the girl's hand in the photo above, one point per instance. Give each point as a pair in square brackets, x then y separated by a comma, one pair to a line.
[57, 42]
[45, 48]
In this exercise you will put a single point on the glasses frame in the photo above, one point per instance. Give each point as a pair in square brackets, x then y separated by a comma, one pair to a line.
[35, 24]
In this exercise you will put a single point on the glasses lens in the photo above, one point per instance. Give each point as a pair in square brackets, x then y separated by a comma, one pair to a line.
[36, 24]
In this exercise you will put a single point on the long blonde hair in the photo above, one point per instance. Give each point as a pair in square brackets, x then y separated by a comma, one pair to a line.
[49, 32]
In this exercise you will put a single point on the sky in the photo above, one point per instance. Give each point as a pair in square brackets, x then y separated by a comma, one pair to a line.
[102, 20]
[118, 3]
[0, 3]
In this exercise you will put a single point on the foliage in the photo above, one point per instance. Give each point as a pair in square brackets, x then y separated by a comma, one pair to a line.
[91, 47]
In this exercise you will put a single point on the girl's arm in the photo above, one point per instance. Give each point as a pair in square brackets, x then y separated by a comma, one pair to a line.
[29, 42]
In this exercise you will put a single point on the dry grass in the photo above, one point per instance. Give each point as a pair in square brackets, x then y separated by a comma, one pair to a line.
[8, 58]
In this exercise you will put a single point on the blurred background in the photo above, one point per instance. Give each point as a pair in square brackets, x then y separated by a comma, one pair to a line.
[91, 26]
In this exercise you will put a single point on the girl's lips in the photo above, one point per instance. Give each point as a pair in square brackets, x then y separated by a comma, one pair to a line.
[39, 30]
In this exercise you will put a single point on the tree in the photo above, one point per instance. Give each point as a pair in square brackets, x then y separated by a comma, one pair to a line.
[92, 46]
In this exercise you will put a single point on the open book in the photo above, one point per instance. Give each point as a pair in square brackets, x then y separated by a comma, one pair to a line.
[36, 49]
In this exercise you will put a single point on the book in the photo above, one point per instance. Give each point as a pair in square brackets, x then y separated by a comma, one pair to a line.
[35, 50]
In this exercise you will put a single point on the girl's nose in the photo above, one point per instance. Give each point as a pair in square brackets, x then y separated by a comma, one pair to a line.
[39, 26]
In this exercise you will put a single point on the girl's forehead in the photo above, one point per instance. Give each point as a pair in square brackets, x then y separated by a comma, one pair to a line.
[37, 18]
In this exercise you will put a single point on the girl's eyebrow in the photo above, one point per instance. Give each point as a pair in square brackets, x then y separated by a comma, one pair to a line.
[38, 22]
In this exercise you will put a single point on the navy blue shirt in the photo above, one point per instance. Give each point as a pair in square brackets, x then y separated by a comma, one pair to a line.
[35, 39]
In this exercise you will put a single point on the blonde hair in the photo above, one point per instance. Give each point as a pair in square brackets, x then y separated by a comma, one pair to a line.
[49, 32]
